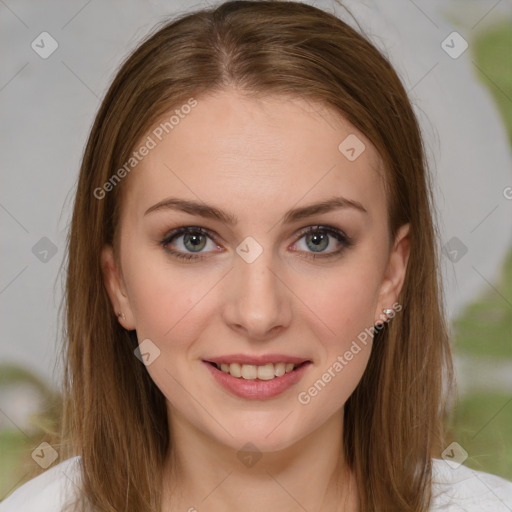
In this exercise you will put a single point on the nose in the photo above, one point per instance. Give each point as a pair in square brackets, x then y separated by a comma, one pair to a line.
[259, 302]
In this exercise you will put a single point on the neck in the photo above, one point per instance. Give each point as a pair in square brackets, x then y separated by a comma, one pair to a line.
[310, 474]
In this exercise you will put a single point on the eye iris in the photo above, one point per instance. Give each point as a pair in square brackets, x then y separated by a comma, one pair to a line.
[195, 239]
[317, 239]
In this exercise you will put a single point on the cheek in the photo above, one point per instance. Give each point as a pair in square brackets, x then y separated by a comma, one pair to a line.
[166, 298]
[343, 300]
[343, 311]
[333, 383]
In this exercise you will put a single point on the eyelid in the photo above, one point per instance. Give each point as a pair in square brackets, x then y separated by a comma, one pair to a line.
[331, 230]
[337, 233]
[183, 230]
[342, 238]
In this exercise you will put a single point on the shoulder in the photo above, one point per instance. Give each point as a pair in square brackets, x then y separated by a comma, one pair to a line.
[462, 489]
[48, 492]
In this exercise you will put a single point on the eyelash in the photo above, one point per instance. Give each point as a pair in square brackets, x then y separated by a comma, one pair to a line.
[345, 241]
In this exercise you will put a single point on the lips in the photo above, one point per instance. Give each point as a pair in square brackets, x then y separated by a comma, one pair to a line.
[250, 385]
[256, 360]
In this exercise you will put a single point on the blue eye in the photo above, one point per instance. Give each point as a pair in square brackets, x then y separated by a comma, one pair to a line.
[195, 239]
[317, 238]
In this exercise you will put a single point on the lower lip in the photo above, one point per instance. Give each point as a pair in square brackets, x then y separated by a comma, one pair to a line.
[257, 389]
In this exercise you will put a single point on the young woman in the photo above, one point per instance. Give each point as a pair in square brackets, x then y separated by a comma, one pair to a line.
[254, 307]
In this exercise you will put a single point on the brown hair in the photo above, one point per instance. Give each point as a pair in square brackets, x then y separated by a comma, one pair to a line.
[114, 415]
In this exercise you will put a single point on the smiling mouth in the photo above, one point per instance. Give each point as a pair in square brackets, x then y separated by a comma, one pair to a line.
[267, 371]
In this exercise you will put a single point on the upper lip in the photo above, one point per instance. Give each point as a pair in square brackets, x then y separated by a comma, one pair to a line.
[256, 360]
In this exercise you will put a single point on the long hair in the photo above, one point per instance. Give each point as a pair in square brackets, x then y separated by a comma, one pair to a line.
[114, 416]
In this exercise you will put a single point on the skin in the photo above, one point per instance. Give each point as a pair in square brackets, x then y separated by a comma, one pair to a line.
[256, 159]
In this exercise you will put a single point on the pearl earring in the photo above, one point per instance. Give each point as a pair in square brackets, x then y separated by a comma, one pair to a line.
[387, 317]
[121, 315]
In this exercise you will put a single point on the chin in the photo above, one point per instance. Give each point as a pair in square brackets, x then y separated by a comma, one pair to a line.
[271, 433]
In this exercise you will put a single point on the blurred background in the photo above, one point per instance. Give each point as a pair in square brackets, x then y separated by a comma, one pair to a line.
[455, 59]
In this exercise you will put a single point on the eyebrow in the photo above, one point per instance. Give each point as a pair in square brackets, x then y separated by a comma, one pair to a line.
[211, 212]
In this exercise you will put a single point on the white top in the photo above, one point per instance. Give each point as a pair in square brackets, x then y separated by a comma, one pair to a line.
[455, 490]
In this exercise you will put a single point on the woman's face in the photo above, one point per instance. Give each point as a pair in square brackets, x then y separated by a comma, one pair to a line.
[257, 287]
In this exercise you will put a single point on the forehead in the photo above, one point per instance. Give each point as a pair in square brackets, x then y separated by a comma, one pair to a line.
[255, 155]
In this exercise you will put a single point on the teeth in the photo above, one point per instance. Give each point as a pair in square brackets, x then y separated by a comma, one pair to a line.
[235, 369]
[266, 372]
[279, 369]
[251, 372]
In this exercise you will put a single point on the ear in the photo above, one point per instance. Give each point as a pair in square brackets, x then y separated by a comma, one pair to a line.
[116, 288]
[394, 276]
